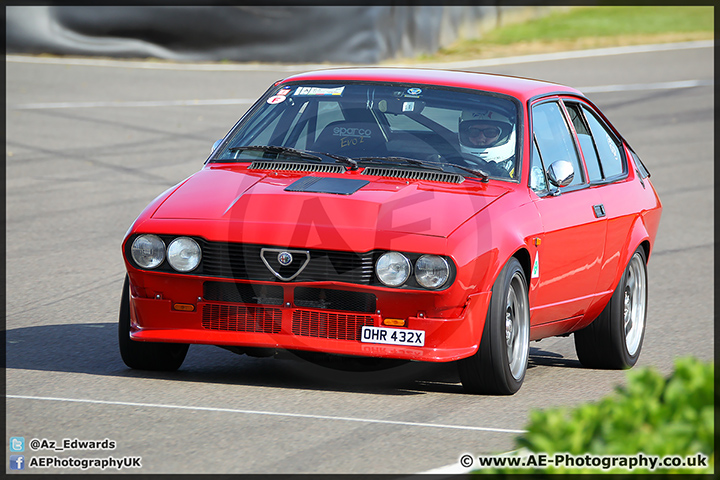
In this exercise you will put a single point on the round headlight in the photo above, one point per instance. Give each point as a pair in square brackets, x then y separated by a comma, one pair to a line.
[393, 269]
[431, 271]
[148, 251]
[184, 254]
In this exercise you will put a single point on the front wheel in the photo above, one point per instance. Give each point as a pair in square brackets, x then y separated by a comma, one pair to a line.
[145, 355]
[614, 339]
[499, 365]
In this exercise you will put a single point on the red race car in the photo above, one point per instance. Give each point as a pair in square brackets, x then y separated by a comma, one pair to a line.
[407, 214]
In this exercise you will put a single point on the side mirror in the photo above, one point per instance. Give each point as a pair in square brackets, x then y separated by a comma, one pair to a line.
[215, 145]
[561, 173]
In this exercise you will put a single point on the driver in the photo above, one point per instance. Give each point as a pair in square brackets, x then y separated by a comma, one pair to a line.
[489, 135]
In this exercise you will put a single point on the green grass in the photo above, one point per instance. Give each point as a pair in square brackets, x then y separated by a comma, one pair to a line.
[607, 21]
[579, 28]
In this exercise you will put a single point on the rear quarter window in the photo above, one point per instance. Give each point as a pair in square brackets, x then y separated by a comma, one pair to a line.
[608, 147]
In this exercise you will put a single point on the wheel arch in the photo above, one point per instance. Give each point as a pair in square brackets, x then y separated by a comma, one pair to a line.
[523, 256]
[638, 238]
[645, 244]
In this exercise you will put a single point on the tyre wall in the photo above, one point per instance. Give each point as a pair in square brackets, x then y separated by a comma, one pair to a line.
[287, 34]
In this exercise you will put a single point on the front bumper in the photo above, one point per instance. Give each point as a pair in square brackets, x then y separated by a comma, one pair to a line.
[154, 318]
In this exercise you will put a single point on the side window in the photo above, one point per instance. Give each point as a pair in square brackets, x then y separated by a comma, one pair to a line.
[446, 117]
[608, 147]
[592, 162]
[553, 137]
[642, 169]
[403, 123]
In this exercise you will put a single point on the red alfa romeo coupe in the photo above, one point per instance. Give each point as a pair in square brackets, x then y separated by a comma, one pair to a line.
[409, 214]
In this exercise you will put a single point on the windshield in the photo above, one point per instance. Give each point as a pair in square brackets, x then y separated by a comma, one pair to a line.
[372, 123]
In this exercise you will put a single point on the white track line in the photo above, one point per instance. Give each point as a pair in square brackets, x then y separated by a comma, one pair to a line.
[258, 412]
[151, 103]
[248, 101]
[595, 52]
[647, 86]
[270, 67]
[543, 57]
[154, 64]
[456, 468]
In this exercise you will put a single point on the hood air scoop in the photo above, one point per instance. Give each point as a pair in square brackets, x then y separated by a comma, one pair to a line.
[296, 167]
[414, 174]
[339, 186]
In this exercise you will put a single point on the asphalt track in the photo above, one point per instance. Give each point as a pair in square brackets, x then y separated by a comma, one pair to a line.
[89, 145]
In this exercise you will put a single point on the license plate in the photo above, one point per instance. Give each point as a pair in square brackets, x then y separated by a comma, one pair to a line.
[393, 336]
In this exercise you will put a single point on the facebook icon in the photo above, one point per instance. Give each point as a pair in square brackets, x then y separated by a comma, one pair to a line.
[17, 462]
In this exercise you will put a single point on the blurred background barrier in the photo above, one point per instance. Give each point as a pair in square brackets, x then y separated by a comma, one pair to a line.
[287, 34]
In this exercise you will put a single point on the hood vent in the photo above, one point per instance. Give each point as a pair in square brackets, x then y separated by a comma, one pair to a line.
[414, 174]
[296, 167]
[338, 186]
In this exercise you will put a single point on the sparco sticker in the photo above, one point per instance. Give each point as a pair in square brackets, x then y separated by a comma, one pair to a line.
[351, 132]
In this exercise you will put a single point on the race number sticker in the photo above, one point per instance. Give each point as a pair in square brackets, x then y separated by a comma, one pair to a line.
[393, 336]
[279, 97]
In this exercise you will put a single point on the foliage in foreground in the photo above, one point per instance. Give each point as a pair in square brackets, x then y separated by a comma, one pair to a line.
[651, 414]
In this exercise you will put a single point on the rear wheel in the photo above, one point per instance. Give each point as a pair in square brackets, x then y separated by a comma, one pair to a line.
[499, 365]
[145, 355]
[614, 339]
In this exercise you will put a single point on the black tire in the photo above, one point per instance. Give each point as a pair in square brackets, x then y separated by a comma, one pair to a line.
[499, 365]
[614, 339]
[145, 355]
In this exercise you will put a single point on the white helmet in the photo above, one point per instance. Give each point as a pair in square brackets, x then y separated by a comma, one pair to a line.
[498, 149]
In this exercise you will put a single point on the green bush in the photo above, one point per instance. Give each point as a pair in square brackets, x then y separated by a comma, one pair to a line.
[651, 415]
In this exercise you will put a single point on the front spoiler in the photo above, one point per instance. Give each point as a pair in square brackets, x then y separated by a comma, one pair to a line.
[153, 320]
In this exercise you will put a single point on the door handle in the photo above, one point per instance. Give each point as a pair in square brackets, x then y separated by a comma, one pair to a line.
[599, 210]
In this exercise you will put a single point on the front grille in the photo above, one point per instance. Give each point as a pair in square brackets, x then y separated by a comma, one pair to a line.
[327, 299]
[238, 318]
[337, 326]
[243, 293]
[242, 261]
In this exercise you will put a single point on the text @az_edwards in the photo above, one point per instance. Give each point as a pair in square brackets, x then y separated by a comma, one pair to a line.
[71, 444]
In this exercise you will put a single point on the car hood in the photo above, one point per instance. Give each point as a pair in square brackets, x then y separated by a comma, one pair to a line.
[282, 200]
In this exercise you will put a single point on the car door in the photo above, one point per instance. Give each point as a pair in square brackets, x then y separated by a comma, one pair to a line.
[606, 162]
[569, 258]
